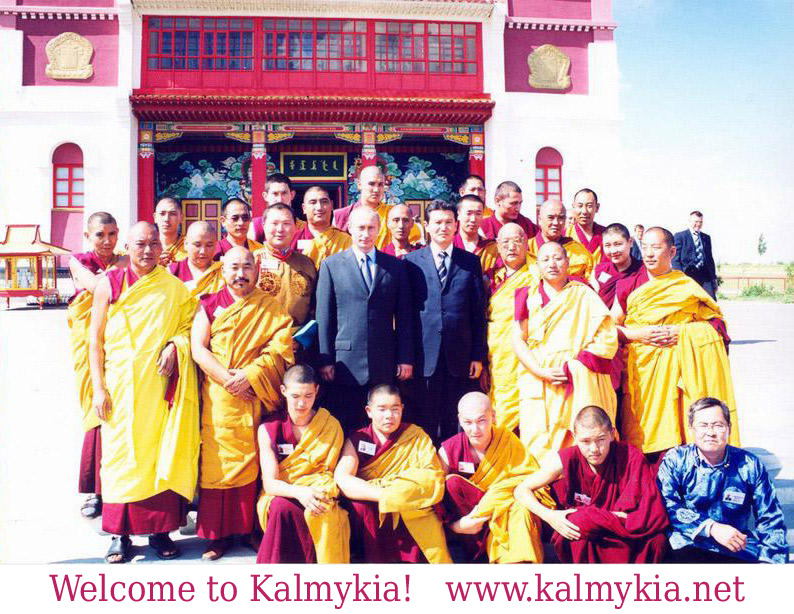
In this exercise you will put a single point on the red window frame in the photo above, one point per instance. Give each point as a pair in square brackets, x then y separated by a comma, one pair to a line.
[543, 180]
[431, 47]
[71, 193]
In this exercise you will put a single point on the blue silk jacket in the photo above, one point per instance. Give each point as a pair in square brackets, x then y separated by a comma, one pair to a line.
[736, 491]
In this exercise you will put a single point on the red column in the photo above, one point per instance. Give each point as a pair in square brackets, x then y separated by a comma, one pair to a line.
[369, 156]
[258, 170]
[477, 154]
[146, 193]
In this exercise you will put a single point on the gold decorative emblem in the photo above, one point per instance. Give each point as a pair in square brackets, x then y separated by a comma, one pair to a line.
[269, 283]
[298, 284]
[548, 68]
[69, 56]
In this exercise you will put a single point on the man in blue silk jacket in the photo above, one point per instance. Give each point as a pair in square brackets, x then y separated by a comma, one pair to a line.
[720, 500]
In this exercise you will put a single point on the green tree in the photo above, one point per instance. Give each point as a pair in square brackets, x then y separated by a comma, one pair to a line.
[761, 244]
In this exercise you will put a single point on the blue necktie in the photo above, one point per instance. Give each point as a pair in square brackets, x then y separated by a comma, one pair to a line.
[699, 251]
[442, 267]
[366, 271]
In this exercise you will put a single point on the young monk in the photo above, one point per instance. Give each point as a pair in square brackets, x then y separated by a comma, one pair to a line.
[299, 507]
[565, 338]
[612, 511]
[168, 218]
[470, 216]
[199, 272]
[584, 228]
[87, 270]
[317, 239]
[551, 222]
[484, 464]
[236, 219]
[390, 472]
[617, 264]
[241, 341]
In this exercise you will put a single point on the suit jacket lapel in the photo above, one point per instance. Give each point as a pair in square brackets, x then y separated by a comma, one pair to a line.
[430, 264]
[452, 268]
[379, 271]
[356, 269]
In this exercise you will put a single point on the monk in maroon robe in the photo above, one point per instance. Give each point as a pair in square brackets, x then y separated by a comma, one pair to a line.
[508, 201]
[584, 228]
[236, 220]
[610, 508]
[400, 223]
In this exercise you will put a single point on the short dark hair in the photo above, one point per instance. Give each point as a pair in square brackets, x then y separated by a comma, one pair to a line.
[617, 229]
[506, 186]
[668, 236]
[300, 374]
[696, 213]
[316, 187]
[440, 205]
[235, 199]
[470, 177]
[706, 403]
[173, 199]
[278, 178]
[471, 197]
[100, 217]
[593, 415]
[586, 191]
[389, 389]
[636, 226]
[279, 207]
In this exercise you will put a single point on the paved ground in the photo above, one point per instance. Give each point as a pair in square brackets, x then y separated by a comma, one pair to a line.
[40, 433]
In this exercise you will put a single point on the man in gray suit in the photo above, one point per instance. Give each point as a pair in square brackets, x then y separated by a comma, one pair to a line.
[364, 317]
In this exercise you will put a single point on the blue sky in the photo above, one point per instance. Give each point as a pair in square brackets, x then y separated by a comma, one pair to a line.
[707, 97]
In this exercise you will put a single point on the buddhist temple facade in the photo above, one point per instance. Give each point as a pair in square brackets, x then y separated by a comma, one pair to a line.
[108, 104]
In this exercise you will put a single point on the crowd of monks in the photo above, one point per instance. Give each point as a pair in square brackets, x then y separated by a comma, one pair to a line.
[199, 384]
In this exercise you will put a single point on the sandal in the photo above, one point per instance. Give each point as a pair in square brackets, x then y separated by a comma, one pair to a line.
[119, 551]
[163, 546]
[92, 507]
[216, 549]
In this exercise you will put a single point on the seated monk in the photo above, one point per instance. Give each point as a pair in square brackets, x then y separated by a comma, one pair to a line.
[391, 474]
[566, 339]
[551, 222]
[199, 272]
[317, 239]
[612, 511]
[87, 270]
[241, 341]
[484, 464]
[299, 509]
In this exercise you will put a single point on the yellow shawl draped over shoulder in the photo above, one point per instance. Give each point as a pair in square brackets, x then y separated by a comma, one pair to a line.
[413, 480]
[252, 334]
[580, 261]
[209, 283]
[149, 447]
[326, 244]
[514, 533]
[79, 320]
[664, 382]
[312, 463]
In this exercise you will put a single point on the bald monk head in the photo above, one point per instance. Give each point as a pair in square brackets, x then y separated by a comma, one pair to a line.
[144, 247]
[400, 221]
[299, 388]
[658, 250]
[372, 186]
[200, 241]
[279, 226]
[512, 245]
[363, 225]
[593, 433]
[553, 264]
[318, 208]
[585, 206]
[551, 219]
[239, 271]
[385, 409]
[476, 417]
[102, 234]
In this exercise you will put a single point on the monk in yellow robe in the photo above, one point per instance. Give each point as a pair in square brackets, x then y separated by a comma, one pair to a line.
[372, 188]
[502, 360]
[551, 220]
[676, 352]
[484, 464]
[285, 274]
[144, 392]
[391, 474]
[317, 239]
[584, 228]
[241, 341]
[470, 215]
[87, 269]
[565, 338]
[168, 218]
[199, 272]
[299, 507]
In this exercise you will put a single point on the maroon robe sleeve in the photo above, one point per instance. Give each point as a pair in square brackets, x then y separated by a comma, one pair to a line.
[521, 311]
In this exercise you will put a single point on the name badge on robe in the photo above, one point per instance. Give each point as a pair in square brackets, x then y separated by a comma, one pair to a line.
[580, 498]
[269, 265]
[465, 467]
[285, 449]
[304, 244]
[604, 277]
[218, 311]
[366, 447]
[733, 496]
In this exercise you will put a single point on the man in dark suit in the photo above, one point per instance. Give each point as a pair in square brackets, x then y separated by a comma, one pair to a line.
[636, 245]
[365, 321]
[693, 254]
[449, 305]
